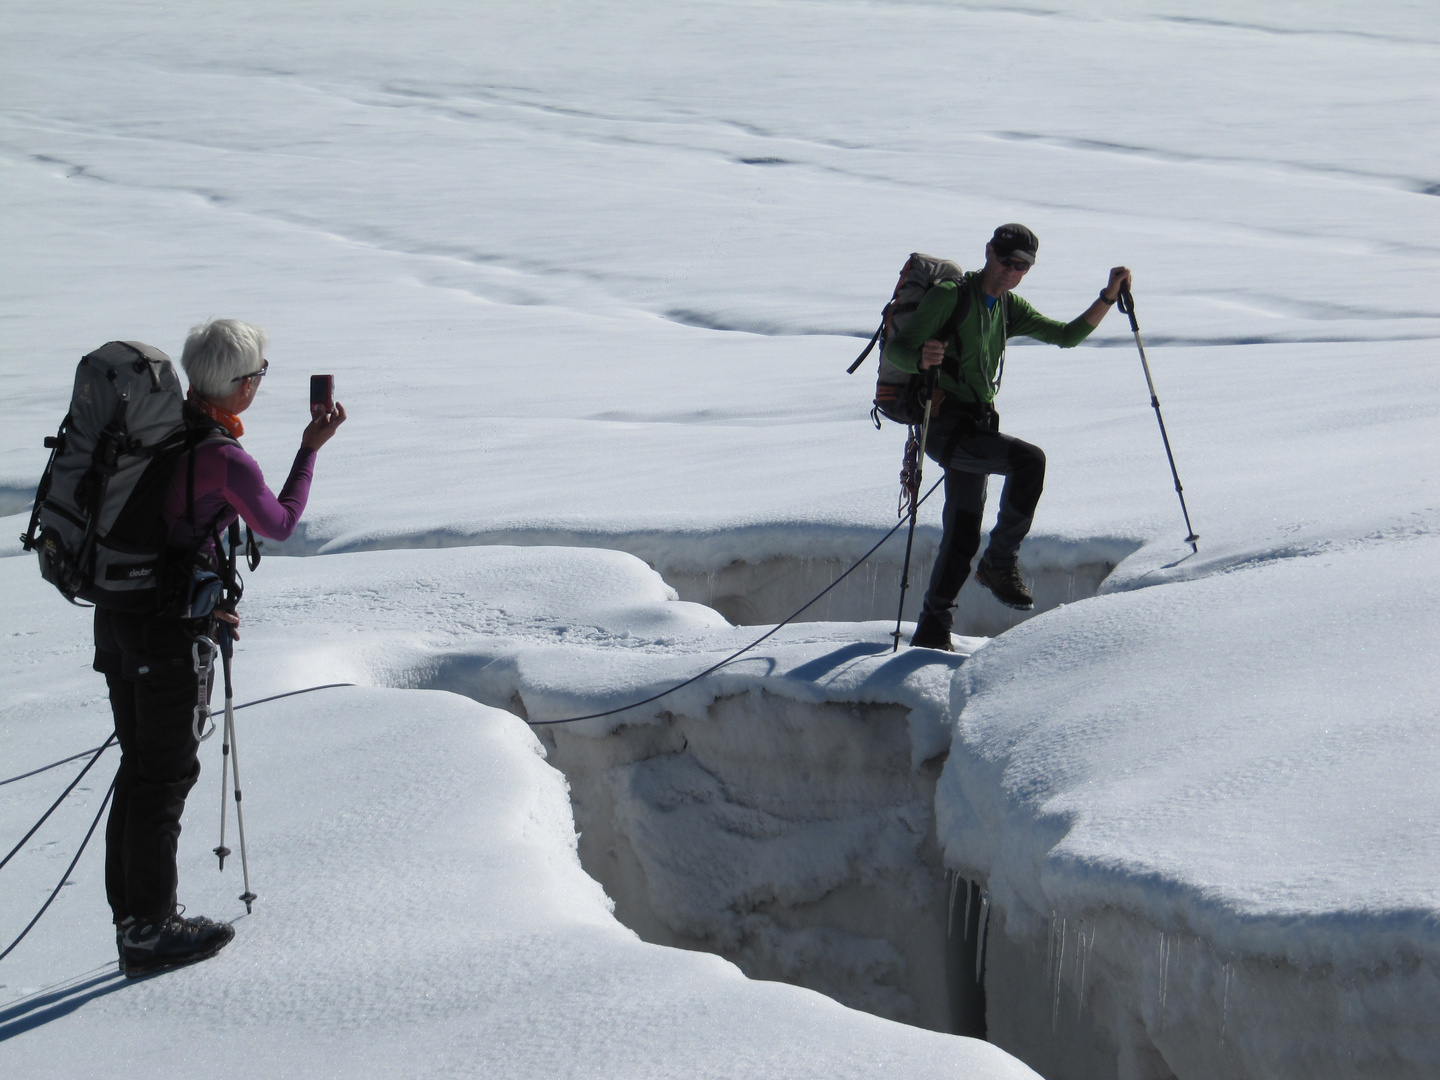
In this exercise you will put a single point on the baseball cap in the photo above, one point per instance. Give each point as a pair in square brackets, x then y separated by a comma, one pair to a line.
[1015, 241]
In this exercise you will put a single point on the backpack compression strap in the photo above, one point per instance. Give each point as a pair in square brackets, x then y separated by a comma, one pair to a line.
[868, 348]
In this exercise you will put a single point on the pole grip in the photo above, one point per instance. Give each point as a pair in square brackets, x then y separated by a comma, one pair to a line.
[1127, 305]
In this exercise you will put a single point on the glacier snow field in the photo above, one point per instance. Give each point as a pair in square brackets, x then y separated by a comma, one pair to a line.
[588, 278]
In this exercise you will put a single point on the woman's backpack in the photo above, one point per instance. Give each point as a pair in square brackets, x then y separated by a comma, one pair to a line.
[97, 522]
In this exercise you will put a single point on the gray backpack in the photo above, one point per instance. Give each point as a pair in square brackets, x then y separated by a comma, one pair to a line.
[897, 393]
[97, 522]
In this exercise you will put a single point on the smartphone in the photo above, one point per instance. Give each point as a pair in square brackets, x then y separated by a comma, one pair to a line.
[322, 396]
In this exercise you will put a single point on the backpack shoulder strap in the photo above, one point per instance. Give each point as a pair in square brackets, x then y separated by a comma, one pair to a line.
[200, 431]
[951, 327]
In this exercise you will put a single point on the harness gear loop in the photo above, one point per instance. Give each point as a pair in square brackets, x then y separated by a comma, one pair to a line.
[204, 672]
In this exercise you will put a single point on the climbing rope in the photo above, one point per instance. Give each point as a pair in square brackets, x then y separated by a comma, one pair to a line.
[741, 652]
[97, 751]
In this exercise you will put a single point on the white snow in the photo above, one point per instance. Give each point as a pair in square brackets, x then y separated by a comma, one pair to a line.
[422, 912]
[588, 277]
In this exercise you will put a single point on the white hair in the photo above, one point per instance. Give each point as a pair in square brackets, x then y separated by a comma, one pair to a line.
[219, 352]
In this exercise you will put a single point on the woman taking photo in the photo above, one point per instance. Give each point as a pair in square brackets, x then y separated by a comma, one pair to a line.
[147, 661]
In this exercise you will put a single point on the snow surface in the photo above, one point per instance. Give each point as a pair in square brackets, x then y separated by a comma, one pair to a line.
[590, 276]
[422, 912]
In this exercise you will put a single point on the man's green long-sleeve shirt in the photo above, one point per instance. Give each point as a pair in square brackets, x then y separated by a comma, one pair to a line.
[970, 376]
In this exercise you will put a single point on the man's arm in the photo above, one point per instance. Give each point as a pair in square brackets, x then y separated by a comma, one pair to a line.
[1119, 279]
[1025, 321]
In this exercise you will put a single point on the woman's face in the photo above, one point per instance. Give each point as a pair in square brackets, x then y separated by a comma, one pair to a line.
[251, 386]
[245, 390]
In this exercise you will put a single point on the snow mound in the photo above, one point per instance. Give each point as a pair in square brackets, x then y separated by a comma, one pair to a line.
[1231, 779]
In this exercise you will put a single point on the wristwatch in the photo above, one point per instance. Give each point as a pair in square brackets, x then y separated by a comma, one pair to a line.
[1105, 299]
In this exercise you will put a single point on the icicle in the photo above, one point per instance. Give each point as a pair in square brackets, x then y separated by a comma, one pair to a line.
[1059, 971]
[950, 921]
[1164, 973]
[969, 892]
[1050, 948]
[984, 922]
[1225, 1004]
[1086, 950]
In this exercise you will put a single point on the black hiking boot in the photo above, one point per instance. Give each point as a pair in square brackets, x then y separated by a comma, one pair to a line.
[1005, 585]
[170, 943]
[932, 632]
[120, 928]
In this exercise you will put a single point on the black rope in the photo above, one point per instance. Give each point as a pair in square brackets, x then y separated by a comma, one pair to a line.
[261, 701]
[533, 723]
[741, 652]
[97, 752]
[53, 764]
[63, 877]
[292, 693]
[43, 817]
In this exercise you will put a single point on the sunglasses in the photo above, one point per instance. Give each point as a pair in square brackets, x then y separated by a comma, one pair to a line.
[257, 375]
[1015, 264]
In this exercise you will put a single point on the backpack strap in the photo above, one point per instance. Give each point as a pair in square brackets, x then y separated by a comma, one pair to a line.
[951, 330]
[204, 431]
[868, 348]
[952, 325]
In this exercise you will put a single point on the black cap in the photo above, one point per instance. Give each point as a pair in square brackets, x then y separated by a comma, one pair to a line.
[1015, 241]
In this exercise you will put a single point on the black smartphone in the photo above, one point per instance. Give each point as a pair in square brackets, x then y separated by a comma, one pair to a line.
[322, 396]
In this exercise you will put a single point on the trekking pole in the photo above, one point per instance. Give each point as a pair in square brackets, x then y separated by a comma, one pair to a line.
[227, 648]
[221, 851]
[912, 490]
[1127, 305]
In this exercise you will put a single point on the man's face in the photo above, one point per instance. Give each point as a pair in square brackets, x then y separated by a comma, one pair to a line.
[1004, 273]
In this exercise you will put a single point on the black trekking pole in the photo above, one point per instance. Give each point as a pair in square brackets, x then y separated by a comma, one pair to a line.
[1127, 305]
[226, 650]
[910, 477]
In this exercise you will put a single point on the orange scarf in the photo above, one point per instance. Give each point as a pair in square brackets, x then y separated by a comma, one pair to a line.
[228, 420]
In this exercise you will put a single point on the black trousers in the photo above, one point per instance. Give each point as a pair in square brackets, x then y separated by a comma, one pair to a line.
[970, 453]
[148, 664]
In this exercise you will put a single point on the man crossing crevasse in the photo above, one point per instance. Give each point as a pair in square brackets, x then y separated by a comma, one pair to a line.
[961, 327]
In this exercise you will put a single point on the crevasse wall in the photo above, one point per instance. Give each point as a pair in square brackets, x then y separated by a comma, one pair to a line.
[792, 838]
[764, 574]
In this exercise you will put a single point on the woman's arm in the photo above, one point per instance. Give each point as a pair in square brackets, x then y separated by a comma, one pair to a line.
[246, 491]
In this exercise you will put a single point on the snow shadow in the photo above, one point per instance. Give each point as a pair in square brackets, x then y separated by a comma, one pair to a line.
[51, 1004]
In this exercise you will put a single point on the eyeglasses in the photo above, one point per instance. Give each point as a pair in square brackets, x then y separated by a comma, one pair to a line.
[1016, 265]
[256, 375]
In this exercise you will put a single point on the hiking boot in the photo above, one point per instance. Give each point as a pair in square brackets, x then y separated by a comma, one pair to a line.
[120, 928]
[1005, 585]
[931, 632]
[172, 942]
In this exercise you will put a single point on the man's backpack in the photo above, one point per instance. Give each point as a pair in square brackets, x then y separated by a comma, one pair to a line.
[898, 393]
[97, 523]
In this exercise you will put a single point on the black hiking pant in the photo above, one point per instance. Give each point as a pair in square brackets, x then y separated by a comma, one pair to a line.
[148, 665]
[970, 450]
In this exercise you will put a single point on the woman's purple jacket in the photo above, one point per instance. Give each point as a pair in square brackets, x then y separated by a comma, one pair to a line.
[228, 483]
